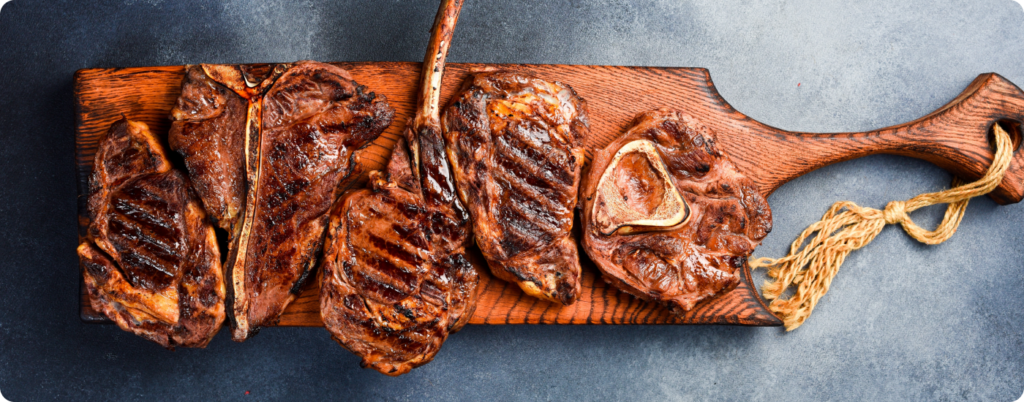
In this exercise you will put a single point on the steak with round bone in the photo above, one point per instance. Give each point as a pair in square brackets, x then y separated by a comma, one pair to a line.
[151, 263]
[666, 215]
[396, 280]
[300, 126]
[516, 147]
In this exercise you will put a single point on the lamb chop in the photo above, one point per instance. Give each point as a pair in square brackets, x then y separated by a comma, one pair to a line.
[395, 279]
[516, 146]
[293, 145]
[151, 263]
[666, 215]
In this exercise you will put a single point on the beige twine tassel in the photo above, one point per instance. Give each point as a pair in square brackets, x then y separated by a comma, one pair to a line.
[847, 227]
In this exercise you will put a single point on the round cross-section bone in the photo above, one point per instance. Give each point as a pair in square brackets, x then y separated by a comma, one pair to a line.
[636, 193]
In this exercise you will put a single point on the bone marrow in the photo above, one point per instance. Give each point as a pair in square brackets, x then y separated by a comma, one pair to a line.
[636, 193]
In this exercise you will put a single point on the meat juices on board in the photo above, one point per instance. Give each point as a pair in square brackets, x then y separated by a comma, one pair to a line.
[516, 147]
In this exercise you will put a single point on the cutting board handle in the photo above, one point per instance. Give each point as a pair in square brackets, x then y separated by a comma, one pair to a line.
[956, 137]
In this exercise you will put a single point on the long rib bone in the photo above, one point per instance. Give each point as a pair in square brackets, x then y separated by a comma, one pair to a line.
[427, 115]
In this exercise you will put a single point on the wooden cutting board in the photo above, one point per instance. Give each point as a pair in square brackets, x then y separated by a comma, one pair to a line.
[955, 137]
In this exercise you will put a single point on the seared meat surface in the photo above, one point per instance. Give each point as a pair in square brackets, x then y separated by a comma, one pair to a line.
[516, 147]
[208, 129]
[289, 131]
[151, 263]
[666, 215]
[395, 277]
[396, 280]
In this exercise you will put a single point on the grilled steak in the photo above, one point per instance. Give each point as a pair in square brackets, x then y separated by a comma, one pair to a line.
[395, 277]
[151, 264]
[516, 147]
[666, 215]
[300, 126]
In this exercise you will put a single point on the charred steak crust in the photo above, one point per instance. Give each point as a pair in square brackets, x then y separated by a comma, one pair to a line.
[395, 277]
[269, 146]
[313, 118]
[516, 147]
[650, 248]
[151, 263]
[208, 130]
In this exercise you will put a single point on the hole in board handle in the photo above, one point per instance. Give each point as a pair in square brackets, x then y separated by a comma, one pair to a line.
[1012, 127]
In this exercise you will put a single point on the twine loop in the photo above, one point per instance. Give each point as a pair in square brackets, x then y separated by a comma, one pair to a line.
[847, 226]
[896, 212]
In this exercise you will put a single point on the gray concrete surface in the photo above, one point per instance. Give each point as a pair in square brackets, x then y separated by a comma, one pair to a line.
[903, 321]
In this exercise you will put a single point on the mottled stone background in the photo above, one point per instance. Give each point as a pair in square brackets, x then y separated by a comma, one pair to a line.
[903, 321]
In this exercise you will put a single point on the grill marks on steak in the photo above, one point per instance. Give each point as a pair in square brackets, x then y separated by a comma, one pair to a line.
[648, 244]
[314, 117]
[395, 279]
[300, 126]
[516, 147]
[151, 264]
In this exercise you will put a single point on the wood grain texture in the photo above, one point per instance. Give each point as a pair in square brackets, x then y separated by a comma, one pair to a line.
[955, 137]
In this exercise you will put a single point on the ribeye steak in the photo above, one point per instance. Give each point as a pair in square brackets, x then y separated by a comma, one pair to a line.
[516, 147]
[151, 263]
[395, 277]
[666, 215]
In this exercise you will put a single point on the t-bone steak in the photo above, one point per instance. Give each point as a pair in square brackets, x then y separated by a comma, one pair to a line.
[272, 169]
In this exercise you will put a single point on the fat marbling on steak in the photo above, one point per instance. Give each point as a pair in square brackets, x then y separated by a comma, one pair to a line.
[300, 126]
[666, 215]
[151, 262]
[516, 146]
[396, 280]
